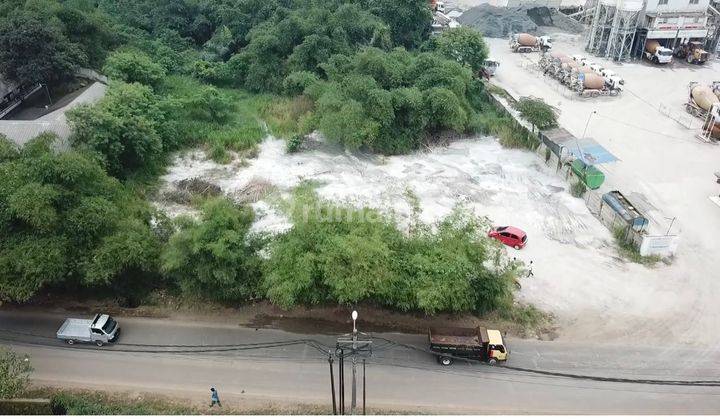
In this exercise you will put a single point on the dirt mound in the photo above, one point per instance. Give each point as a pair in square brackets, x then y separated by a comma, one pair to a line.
[255, 190]
[500, 22]
[186, 189]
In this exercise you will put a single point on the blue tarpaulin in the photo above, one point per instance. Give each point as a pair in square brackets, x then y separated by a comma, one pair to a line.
[589, 151]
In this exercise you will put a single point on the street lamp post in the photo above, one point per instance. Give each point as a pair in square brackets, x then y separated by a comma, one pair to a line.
[353, 402]
[356, 343]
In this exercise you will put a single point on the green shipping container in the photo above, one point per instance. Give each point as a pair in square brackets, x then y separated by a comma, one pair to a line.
[590, 175]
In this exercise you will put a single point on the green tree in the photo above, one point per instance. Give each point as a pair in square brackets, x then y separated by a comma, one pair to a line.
[347, 255]
[59, 213]
[409, 20]
[218, 47]
[36, 51]
[133, 66]
[214, 257]
[464, 45]
[14, 373]
[537, 112]
[126, 129]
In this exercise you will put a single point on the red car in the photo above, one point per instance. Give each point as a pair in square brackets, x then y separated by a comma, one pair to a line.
[510, 236]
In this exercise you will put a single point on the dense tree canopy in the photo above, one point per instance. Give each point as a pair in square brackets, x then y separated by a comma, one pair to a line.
[63, 220]
[40, 52]
[464, 45]
[346, 255]
[213, 257]
[388, 102]
[46, 41]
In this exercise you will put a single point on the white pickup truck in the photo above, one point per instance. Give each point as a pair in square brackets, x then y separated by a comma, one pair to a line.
[100, 330]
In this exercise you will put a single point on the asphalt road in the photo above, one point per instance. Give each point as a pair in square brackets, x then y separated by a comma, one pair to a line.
[293, 368]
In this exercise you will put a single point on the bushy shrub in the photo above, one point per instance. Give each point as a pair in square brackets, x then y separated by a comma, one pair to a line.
[214, 257]
[347, 255]
[578, 189]
[132, 66]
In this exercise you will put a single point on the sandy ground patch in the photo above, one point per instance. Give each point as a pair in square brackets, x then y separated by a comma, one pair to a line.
[578, 275]
[661, 161]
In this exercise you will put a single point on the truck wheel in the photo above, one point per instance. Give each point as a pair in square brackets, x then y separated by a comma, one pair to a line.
[99, 343]
[445, 361]
[492, 361]
[71, 342]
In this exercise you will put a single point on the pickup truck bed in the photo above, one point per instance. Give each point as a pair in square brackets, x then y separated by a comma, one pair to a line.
[75, 329]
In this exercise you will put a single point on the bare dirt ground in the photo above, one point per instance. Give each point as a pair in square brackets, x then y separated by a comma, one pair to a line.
[579, 277]
[661, 161]
[576, 265]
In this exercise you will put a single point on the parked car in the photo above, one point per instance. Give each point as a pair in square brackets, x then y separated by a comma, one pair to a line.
[510, 236]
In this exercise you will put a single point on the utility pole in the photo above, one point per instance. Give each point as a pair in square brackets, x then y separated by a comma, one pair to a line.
[332, 384]
[363, 387]
[358, 344]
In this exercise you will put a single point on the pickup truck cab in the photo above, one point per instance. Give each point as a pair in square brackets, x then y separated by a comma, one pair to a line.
[102, 329]
[468, 343]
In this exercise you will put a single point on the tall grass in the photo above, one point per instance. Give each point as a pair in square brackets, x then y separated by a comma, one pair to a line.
[239, 131]
[630, 251]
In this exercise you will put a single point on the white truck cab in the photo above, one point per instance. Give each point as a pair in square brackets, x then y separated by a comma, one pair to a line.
[596, 67]
[610, 75]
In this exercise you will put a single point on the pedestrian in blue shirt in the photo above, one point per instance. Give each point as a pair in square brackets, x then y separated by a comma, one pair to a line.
[214, 399]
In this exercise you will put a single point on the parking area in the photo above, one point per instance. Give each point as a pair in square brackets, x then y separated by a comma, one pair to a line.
[661, 162]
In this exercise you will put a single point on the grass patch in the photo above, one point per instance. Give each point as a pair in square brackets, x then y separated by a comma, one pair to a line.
[288, 117]
[514, 138]
[78, 403]
[220, 119]
[629, 251]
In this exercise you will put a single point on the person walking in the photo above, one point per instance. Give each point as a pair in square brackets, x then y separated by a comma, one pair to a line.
[530, 272]
[214, 398]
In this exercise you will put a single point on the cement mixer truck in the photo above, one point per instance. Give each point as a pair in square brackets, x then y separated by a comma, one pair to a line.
[701, 99]
[593, 85]
[525, 43]
[657, 53]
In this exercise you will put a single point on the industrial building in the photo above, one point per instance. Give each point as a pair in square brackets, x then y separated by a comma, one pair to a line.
[620, 28]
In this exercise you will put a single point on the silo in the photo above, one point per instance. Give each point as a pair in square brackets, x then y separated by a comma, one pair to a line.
[613, 28]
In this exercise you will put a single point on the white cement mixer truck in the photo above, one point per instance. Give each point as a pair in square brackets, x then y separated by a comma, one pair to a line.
[701, 99]
[525, 43]
[657, 53]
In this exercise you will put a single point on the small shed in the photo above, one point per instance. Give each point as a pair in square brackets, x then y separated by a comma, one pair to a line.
[626, 210]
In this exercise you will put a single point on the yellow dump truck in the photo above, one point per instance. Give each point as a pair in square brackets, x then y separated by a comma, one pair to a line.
[467, 343]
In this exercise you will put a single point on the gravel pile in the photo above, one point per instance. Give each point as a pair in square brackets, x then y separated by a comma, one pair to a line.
[500, 22]
[497, 22]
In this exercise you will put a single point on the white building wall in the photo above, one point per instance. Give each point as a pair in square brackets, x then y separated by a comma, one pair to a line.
[673, 6]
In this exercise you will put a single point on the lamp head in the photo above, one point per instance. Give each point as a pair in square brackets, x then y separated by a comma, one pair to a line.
[354, 315]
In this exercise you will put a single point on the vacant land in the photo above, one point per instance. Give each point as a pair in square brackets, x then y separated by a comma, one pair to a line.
[670, 175]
